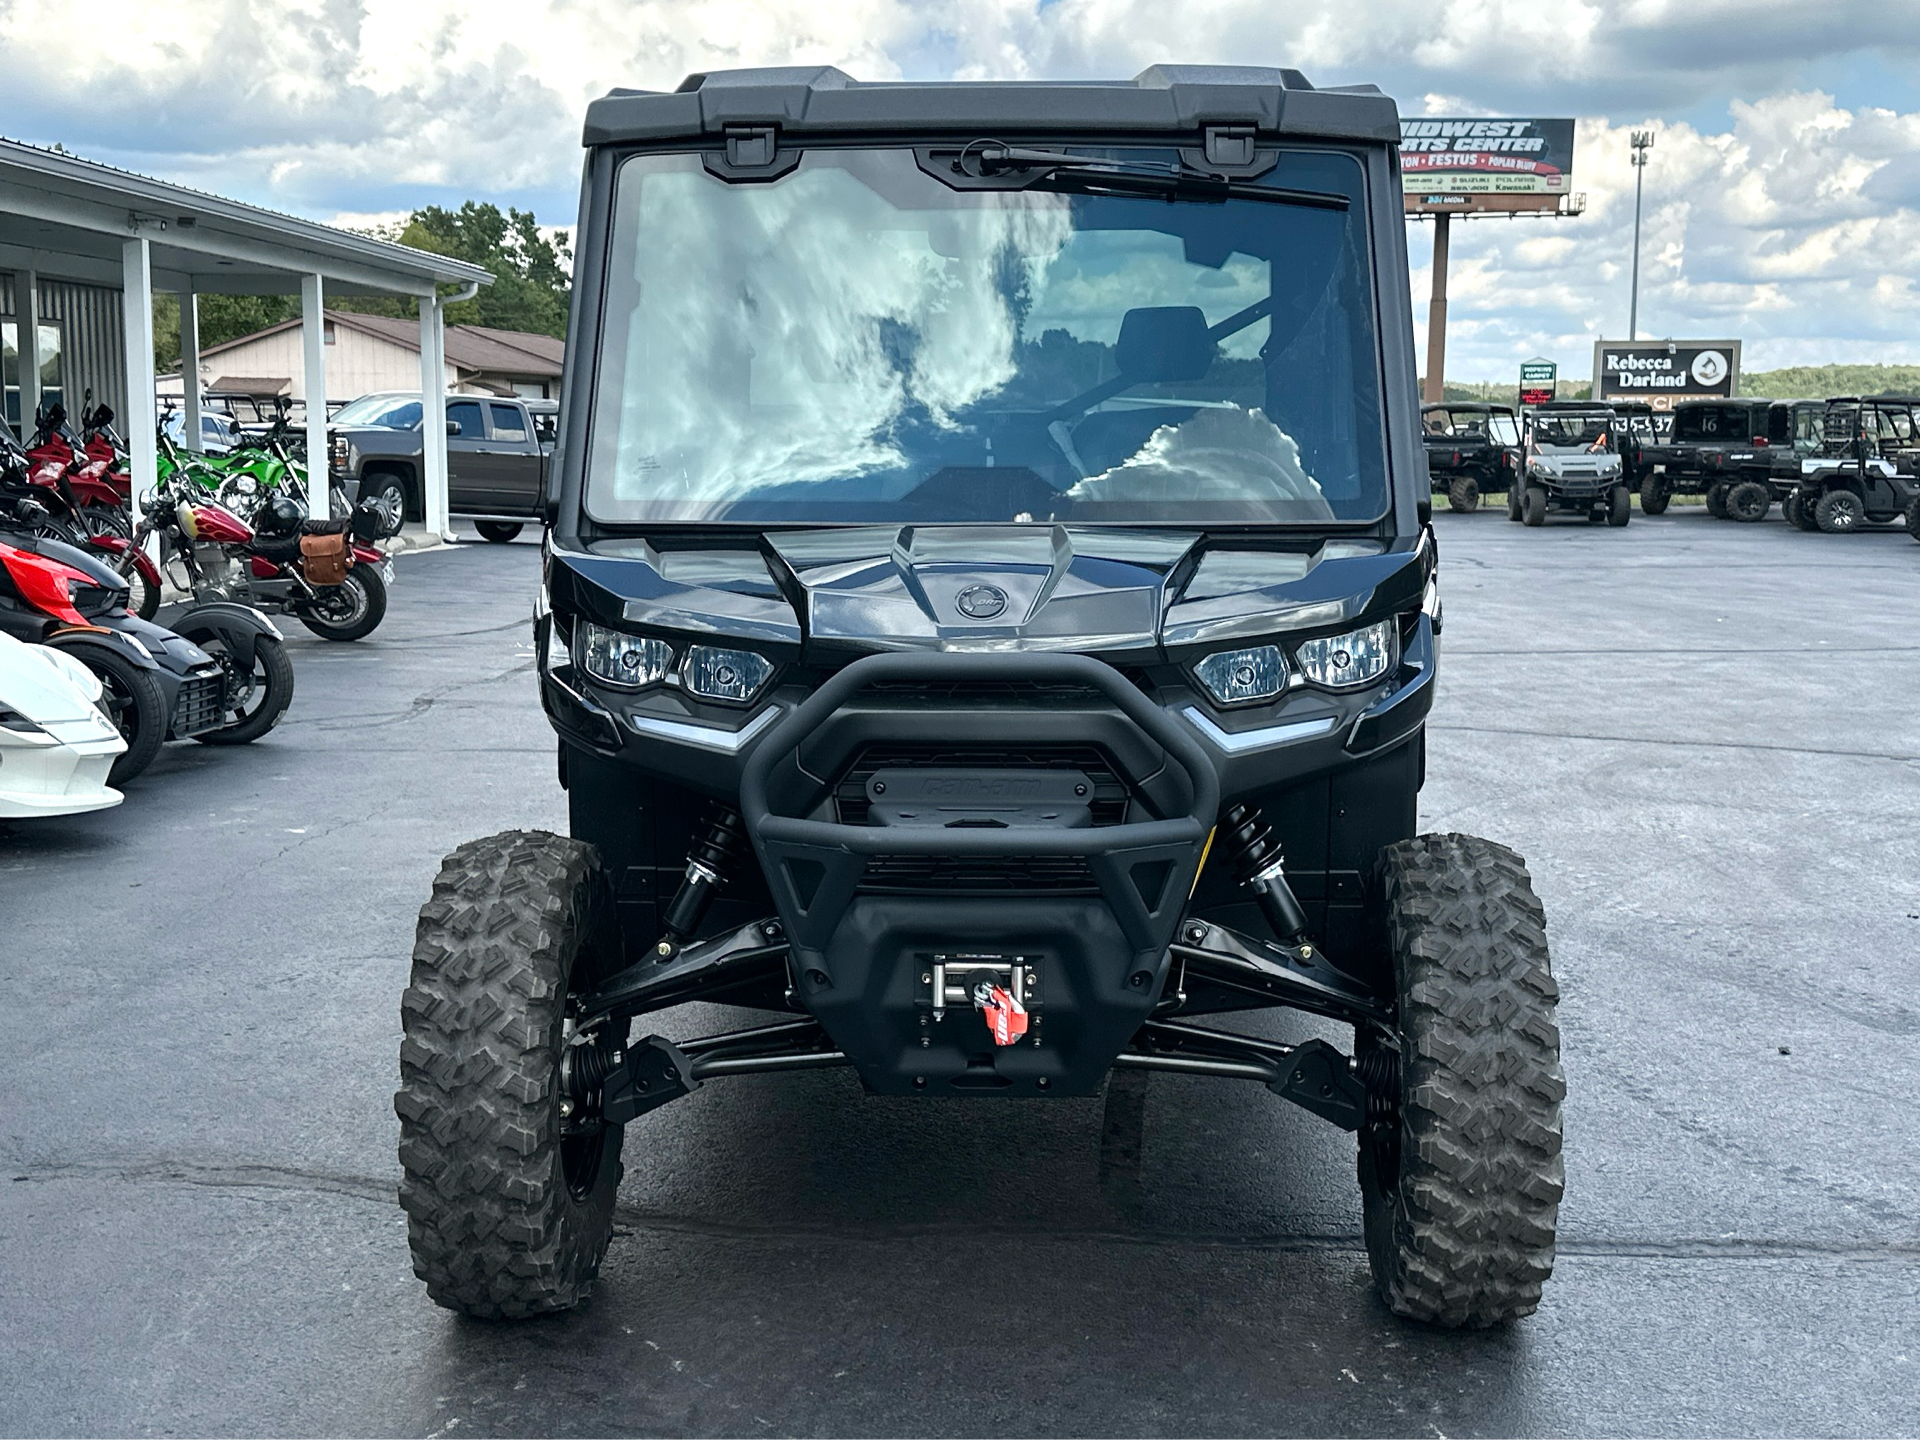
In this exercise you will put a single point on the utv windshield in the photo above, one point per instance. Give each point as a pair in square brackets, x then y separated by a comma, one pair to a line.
[860, 342]
[1573, 434]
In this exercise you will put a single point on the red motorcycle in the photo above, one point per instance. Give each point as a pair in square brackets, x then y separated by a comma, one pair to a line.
[42, 499]
[324, 573]
[59, 458]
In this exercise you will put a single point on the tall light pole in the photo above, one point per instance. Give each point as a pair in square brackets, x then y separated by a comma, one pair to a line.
[1642, 141]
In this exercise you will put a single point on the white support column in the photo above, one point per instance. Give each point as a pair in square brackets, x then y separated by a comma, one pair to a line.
[136, 304]
[433, 417]
[190, 367]
[313, 333]
[26, 325]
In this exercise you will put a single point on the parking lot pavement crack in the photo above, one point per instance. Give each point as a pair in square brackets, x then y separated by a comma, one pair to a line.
[419, 705]
[1678, 742]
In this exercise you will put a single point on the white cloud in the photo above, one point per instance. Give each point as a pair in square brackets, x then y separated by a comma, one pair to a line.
[1792, 226]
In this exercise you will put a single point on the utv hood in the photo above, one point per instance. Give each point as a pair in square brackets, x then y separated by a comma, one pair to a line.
[861, 590]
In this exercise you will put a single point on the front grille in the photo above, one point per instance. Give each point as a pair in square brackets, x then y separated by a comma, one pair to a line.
[1108, 805]
[198, 707]
[980, 875]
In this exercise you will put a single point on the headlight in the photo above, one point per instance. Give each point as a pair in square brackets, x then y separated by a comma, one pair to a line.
[1358, 657]
[731, 675]
[1242, 677]
[613, 658]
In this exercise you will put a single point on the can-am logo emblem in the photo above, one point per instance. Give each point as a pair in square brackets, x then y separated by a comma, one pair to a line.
[981, 602]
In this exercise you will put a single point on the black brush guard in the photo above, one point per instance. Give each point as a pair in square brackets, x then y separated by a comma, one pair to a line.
[870, 965]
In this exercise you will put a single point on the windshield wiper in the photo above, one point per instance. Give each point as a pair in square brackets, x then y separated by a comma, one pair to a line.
[1057, 170]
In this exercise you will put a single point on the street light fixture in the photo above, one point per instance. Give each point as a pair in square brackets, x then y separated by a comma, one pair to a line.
[1642, 141]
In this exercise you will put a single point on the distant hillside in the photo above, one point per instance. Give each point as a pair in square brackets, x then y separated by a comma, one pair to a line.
[1816, 382]
[1796, 382]
[1507, 392]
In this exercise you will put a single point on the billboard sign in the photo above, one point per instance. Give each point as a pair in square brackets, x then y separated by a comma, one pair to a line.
[1539, 381]
[1665, 372]
[1465, 164]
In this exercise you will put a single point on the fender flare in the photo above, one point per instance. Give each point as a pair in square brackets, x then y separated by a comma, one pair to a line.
[237, 627]
[76, 641]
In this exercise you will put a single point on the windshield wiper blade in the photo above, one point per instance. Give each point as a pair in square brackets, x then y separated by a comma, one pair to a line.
[1082, 174]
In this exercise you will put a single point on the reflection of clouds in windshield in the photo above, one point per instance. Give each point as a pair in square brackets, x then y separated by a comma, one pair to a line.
[1218, 454]
[1089, 288]
[782, 330]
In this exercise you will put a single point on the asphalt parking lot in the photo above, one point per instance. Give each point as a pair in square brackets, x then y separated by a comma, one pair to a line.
[1705, 737]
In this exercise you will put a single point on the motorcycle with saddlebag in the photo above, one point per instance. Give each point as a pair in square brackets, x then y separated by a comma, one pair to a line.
[324, 573]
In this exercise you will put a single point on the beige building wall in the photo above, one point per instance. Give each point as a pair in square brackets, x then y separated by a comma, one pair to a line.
[357, 364]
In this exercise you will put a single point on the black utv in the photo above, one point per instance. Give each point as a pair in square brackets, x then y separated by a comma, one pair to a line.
[989, 617]
[1472, 450]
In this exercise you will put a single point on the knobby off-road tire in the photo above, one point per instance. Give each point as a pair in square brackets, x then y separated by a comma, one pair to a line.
[1749, 501]
[1619, 505]
[1913, 520]
[1514, 492]
[1463, 1234]
[505, 1217]
[1654, 496]
[1533, 506]
[1839, 512]
[1802, 513]
[1463, 494]
[1717, 499]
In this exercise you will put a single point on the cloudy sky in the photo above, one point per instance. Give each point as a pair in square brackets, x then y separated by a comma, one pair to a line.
[1783, 198]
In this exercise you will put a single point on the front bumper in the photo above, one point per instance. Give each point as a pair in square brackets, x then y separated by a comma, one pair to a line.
[875, 935]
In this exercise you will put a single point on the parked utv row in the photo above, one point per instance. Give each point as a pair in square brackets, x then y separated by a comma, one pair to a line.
[1832, 465]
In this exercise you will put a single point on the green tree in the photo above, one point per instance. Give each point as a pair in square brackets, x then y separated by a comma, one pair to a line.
[531, 288]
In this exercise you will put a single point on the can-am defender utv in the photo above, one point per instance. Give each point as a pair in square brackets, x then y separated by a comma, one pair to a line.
[989, 615]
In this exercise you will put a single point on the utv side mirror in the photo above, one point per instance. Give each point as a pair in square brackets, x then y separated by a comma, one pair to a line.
[1164, 342]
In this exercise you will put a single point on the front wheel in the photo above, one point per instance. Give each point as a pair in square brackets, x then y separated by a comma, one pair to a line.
[1619, 505]
[508, 1189]
[1461, 1188]
[1913, 520]
[1654, 496]
[1463, 494]
[257, 695]
[347, 611]
[1513, 500]
[387, 494]
[135, 704]
[1533, 509]
[1839, 512]
[499, 532]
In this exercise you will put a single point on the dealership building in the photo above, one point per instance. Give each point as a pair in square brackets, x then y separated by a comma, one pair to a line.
[84, 247]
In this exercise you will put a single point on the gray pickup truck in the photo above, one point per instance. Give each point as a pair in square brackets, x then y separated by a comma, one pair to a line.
[497, 454]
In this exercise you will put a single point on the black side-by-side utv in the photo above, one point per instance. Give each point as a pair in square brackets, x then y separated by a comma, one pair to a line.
[989, 617]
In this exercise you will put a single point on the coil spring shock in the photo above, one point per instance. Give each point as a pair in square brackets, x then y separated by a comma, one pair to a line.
[708, 865]
[1262, 869]
[1378, 1069]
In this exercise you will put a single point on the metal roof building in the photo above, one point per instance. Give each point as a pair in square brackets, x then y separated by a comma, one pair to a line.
[71, 229]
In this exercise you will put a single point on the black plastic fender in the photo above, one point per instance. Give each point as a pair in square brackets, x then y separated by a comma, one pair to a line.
[79, 641]
[237, 626]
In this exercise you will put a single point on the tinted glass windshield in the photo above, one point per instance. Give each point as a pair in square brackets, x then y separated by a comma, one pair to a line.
[859, 342]
[394, 411]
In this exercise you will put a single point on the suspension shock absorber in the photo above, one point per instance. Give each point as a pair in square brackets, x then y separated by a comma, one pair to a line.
[708, 866]
[1262, 870]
